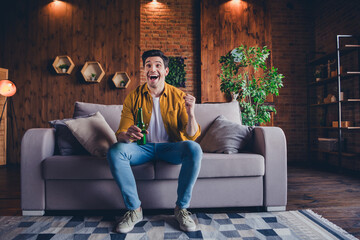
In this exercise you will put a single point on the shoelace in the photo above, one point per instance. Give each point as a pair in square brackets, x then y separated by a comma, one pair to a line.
[129, 214]
[185, 215]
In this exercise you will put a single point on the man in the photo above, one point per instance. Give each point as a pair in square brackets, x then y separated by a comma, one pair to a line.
[172, 128]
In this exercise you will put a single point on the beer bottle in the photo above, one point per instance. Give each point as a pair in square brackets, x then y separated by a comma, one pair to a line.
[140, 124]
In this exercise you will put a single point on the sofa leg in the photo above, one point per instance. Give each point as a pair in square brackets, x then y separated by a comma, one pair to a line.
[33, 213]
[275, 208]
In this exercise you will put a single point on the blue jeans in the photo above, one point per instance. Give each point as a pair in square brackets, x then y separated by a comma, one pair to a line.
[123, 155]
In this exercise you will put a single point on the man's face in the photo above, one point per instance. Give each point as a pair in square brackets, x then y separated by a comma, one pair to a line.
[155, 72]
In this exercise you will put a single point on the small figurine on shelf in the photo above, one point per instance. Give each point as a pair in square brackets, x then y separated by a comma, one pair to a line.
[331, 68]
[317, 75]
[63, 67]
[93, 77]
[319, 99]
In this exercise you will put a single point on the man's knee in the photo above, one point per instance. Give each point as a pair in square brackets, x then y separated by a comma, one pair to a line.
[193, 150]
[116, 152]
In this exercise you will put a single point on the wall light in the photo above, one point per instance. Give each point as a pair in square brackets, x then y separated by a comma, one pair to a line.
[155, 3]
[58, 8]
[236, 6]
[57, 2]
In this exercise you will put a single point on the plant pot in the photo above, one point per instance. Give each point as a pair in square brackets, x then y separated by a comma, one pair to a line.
[234, 96]
[92, 78]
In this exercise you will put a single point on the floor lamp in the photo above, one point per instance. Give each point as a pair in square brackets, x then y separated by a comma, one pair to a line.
[8, 89]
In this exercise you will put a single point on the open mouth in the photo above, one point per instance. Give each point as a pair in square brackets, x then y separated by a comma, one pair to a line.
[154, 77]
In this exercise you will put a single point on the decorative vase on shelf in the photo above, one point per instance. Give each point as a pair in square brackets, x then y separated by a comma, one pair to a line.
[64, 70]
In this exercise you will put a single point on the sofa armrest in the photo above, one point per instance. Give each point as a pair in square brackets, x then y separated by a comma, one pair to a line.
[270, 142]
[36, 145]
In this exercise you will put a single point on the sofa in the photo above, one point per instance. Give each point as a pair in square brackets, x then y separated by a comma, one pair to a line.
[256, 176]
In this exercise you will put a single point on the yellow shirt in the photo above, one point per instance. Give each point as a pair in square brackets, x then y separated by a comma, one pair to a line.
[172, 107]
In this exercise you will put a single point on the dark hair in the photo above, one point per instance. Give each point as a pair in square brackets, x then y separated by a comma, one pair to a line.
[155, 53]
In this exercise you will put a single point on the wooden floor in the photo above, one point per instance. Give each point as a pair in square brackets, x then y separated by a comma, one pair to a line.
[334, 196]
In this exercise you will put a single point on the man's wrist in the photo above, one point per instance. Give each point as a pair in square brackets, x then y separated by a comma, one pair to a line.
[121, 137]
[191, 116]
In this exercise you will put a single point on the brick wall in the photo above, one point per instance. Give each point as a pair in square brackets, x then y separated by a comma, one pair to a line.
[333, 17]
[173, 27]
[291, 37]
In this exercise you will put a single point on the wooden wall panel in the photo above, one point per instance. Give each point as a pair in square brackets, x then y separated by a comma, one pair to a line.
[36, 31]
[3, 129]
[224, 26]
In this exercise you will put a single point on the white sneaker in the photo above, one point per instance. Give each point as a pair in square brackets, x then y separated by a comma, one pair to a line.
[129, 220]
[183, 216]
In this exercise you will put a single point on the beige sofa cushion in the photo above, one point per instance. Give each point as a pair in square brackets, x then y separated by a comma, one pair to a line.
[111, 113]
[206, 113]
[88, 168]
[215, 165]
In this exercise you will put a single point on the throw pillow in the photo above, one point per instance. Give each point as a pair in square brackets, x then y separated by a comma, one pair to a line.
[94, 134]
[224, 136]
[66, 143]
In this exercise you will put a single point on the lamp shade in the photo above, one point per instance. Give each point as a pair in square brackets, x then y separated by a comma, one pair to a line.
[7, 88]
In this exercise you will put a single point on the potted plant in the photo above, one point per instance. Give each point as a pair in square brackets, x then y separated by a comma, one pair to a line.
[63, 67]
[244, 72]
[93, 77]
[122, 83]
[177, 73]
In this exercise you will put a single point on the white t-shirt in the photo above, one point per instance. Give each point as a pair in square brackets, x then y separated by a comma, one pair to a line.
[157, 132]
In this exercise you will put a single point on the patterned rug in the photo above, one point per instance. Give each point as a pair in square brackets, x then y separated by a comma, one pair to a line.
[303, 224]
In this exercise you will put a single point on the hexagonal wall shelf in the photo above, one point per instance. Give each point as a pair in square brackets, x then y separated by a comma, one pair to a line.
[121, 80]
[92, 72]
[63, 65]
